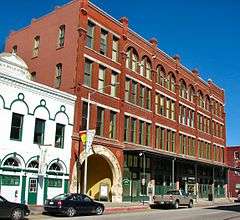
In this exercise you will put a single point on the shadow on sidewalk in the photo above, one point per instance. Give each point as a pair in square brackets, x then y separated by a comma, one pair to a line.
[232, 208]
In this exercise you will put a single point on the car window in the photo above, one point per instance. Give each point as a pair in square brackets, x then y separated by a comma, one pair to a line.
[172, 193]
[1, 200]
[61, 197]
[86, 199]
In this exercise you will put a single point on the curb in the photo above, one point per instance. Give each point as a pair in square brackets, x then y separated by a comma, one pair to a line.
[126, 209]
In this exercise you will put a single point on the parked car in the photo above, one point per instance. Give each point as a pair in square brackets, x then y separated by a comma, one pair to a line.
[14, 211]
[71, 204]
[174, 198]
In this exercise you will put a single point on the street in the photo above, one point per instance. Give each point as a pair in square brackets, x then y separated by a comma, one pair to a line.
[222, 212]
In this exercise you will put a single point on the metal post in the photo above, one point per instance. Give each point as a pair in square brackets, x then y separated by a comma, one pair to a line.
[173, 171]
[144, 172]
[213, 185]
[86, 156]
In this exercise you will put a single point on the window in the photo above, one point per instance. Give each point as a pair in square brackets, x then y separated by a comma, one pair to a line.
[14, 49]
[58, 78]
[173, 117]
[183, 89]
[36, 46]
[146, 68]
[162, 138]
[168, 115]
[133, 130]
[101, 79]
[84, 116]
[103, 42]
[191, 94]
[39, 131]
[157, 109]
[90, 34]
[173, 81]
[115, 49]
[10, 180]
[112, 126]
[173, 141]
[59, 136]
[114, 79]
[54, 183]
[160, 75]
[142, 95]
[148, 134]
[148, 99]
[162, 106]
[33, 76]
[100, 121]
[16, 127]
[134, 92]
[169, 140]
[127, 89]
[201, 99]
[88, 72]
[141, 133]
[61, 36]
[126, 128]
[132, 59]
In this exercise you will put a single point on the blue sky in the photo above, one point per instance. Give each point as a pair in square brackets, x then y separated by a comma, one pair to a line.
[206, 34]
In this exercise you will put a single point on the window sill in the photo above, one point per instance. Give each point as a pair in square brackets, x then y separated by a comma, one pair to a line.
[34, 57]
[135, 105]
[59, 47]
[20, 140]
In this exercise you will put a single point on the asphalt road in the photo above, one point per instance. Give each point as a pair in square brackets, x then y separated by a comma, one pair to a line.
[223, 212]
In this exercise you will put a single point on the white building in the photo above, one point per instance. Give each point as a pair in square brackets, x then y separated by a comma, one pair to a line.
[32, 115]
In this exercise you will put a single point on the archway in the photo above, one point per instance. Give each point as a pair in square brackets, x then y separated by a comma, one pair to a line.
[106, 163]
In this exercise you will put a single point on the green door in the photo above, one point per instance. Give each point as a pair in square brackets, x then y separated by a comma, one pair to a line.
[32, 191]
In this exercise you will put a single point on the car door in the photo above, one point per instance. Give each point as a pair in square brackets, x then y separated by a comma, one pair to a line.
[88, 204]
[184, 197]
[4, 209]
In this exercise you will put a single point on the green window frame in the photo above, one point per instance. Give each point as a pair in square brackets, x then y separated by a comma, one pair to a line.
[112, 125]
[57, 183]
[100, 121]
[10, 180]
[16, 127]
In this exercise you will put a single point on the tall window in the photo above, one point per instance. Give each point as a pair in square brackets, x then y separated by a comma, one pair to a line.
[59, 136]
[201, 99]
[141, 133]
[133, 130]
[101, 78]
[114, 79]
[148, 134]
[58, 78]
[132, 59]
[115, 49]
[39, 131]
[173, 141]
[142, 95]
[173, 117]
[162, 107]
[16, 127]
[183, 89]
[112, 126]
[173, 81]
[87, 72]
[134, 92]
[84, 115]
[90, 34]
[169, 140]
[191, 94]
[100, 121]
[160, 75]
[36, 44]
[127, 89]
[14, 49]
[168, 115]
[148, 101]
[103, 42]
[146, 68]
[126, 128]
[61, 36]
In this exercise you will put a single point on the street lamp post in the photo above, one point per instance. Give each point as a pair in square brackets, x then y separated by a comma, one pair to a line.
[87, 129]
[143, 180]
[173, 171]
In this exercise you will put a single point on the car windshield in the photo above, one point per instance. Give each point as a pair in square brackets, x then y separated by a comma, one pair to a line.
[61, 197]
[172, 193]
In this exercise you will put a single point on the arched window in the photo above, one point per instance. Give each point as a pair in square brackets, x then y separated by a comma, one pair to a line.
[191, 93]
[34, 164]
[61, 35]
[161, 75]
[207, 103]
[172, 82]
[200, 99]
[183, 89]
[146, 68]
[132, 59]
[56, 167]
[11, 162]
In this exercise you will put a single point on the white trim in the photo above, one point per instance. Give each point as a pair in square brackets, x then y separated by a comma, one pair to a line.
[202, 139]
[216, 99]
[137, 80]
[218, 145]
[189, 135]
[203, 114]
[186, 105]
[138, 117]
[164, 126]
[164, 94]
[219, 122]
[101, 63]
[103, 27]
[101, 105]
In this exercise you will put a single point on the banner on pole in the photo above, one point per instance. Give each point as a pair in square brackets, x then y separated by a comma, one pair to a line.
[90, 137]
[42, 169]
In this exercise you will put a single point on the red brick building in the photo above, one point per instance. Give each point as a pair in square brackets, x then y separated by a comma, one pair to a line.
[233, 161]
[158, 124]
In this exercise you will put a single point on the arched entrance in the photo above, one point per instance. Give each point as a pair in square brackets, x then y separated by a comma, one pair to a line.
[103, 170]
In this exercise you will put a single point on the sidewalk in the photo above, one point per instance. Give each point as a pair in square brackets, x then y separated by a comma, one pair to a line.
[133, 207]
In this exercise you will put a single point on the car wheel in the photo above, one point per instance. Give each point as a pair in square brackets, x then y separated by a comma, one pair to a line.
[99, 210]
[190, 205]
[70, 212]
[17, 214]
[176, 205]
